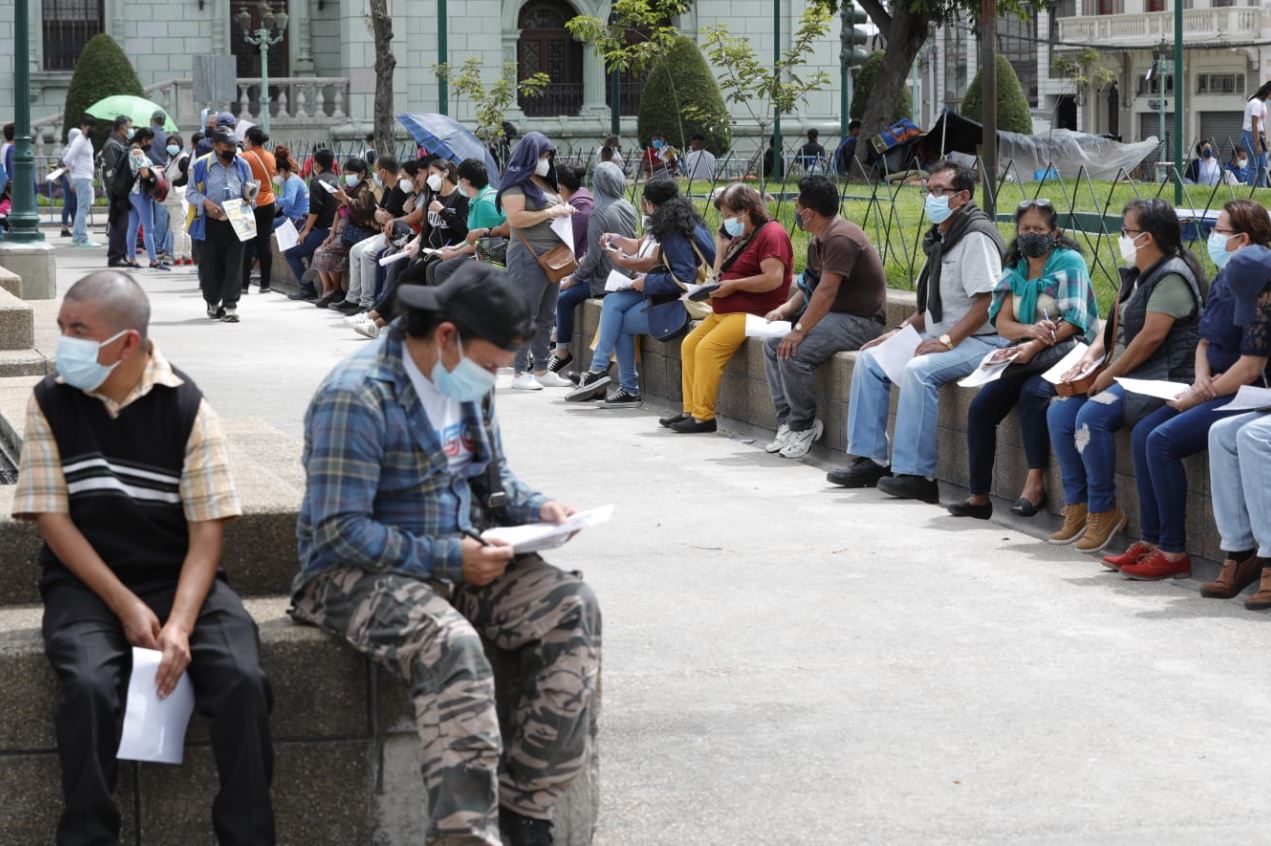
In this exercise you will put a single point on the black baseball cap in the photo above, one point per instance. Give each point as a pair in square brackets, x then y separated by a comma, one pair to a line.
[1247, 275]
[480, 299]
[223, 135]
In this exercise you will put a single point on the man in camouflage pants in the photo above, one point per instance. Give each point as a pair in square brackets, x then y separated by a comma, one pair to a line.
[404, 467]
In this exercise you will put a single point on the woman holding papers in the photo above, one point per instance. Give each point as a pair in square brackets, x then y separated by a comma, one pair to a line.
[292, 193]
[1152, 335]
[1043, 305]
[1235, 342]
[675, 244]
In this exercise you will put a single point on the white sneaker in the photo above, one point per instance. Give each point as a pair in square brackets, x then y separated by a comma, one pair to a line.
[368, 328]
[800, 443]
[355, 319]
[553, 380]
[780, 441]
[526, 382]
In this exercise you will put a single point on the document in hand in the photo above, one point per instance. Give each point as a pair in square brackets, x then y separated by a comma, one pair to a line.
[1249, 398]
[539, 536]
[241, 218]
[287, 236]
[1055, 375]
[990, 370]
[55, 175]
[893, 354]
[154, 728]
[616, 281]
[327, 186]
[1158, 388]
[394, 257]
[757, 327]
[564, 229]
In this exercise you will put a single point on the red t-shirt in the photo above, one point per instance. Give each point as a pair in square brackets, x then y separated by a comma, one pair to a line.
[771, 241]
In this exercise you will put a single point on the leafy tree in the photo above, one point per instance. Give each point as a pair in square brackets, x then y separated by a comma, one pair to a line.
[1012, 106]
[380, 22]
[491, 102]
[637, 34]
[681, 97]
[103, 70]
[863, 89]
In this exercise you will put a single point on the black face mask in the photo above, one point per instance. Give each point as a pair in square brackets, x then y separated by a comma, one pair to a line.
[1036, 244]
[226, 155]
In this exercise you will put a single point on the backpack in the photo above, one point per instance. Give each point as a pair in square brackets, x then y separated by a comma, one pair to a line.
[119, 178]
[157, 186]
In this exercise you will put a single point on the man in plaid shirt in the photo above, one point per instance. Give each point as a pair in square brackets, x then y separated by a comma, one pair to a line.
[405, 468]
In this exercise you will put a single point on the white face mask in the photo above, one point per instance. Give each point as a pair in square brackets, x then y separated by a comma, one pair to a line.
[1129, 246]
[434, 182]
[406, 185]
[543, 167]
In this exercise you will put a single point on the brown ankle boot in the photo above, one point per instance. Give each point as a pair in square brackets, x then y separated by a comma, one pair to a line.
[1234, 577]
[1074, 525]
[1261, 599]
[1101, 527]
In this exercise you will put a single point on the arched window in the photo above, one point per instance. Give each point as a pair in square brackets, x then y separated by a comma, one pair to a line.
[546, 46]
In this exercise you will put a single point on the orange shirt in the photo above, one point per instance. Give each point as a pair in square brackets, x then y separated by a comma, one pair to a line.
[263, 166]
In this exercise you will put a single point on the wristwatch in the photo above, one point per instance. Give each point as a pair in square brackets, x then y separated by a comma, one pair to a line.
[798, 327]
[947, 341]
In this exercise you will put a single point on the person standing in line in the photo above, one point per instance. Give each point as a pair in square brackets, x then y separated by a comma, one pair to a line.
[69, 204]
[260, 248]
[116, 176]
[204, 145]
[317, 224]
[158, 154]
[1253, 135]
[142, 214]
[213, 180]
[178, 175]
[79, 165]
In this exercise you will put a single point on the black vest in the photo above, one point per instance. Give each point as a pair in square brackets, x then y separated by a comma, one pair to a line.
[123, 475]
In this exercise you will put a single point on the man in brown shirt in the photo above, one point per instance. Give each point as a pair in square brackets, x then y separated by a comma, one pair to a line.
[839, 304]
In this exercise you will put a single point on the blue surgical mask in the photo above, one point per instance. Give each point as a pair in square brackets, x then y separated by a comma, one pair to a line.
[131, 132]
[658, 143]
[173, 149]
[77, 361]
[733, 227]
[1207, 153]
[468, 382]
[1217, 245]
[937, 208]
[352, 179]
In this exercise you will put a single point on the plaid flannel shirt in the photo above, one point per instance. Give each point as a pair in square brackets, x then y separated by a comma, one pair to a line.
[380, 495]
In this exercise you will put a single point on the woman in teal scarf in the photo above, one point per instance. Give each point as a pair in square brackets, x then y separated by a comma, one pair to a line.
[1044, 304]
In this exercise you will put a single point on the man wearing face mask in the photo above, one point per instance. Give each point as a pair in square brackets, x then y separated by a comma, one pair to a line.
[125, 472]
[117, 180]
[1204, 169]
[363, 255]
[405, 468]
[955, 288]
[222, 175]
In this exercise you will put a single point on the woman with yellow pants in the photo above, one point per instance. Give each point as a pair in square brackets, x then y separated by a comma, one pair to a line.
[753, 261]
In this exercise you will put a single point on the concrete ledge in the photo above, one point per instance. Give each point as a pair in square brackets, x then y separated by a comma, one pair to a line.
[17, 324]
[10, 282]
[744, 397]
[35, 266]
[338, 732]
[23, 363]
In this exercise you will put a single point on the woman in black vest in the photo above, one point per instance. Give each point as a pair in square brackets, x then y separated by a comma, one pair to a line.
[1155, 322]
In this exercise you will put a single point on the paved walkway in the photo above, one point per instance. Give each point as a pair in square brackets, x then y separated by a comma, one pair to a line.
[791, 664]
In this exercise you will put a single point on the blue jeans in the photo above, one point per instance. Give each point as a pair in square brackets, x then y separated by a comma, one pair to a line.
[1257, 161]
[916, 441]
[1240, 479]
[623, 316]
[1161, 441]
[305, 249]
[70, 203]
[565, 305]
[142, 215]
[162, 237]
[1081, 434]
[83, 203]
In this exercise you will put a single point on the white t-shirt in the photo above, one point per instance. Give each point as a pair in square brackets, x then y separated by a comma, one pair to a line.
[445, 415]
[700, 164]
[1209, 172]
[973, 267]
[1255, 108]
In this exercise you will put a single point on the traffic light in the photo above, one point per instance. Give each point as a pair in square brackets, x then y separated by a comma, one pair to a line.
[853, 37]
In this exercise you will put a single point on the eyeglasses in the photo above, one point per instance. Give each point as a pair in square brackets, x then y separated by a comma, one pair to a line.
[939, 192]
[1125, 231]
[1039, 203]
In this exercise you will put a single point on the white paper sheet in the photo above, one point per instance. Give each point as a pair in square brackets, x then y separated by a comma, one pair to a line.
[988, 370]
[241, 218]
[1249, 398]
[539, 536]
[893, 354]
[154, 728]
[395, 257]
[240, 129]
[564, 229]
[1158, 388]
[1055, 375]
[55, 175]
[757, 327]
[287, 236]
[327, 186]
[617, 281]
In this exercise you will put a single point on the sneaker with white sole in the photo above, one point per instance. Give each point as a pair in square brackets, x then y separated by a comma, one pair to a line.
[622, 398]
[230, 315]
[370, 329]
[355, 318]
[800, 443]
[780, 441]
[554, 380]
[590, 386]
[526, 382]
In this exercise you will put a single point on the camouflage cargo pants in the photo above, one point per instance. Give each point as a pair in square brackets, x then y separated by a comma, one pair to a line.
[547, 616]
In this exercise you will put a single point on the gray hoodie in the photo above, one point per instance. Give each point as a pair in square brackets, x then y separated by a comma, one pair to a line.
[611, 213]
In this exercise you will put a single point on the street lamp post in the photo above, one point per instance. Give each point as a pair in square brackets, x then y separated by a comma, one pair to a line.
[272, 29]
[24, 221]
[1178, 103]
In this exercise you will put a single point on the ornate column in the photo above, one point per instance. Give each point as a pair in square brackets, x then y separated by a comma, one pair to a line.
[593, 84]
[301, 37]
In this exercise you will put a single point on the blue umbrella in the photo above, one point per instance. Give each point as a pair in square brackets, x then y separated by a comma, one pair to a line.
[444, 136]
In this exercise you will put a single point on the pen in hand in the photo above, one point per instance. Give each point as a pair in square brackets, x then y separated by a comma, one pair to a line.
[471, 534]
[1046, 315]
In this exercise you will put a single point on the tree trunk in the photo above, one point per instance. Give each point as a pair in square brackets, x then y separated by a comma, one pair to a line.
[906, 33]
[385, 64]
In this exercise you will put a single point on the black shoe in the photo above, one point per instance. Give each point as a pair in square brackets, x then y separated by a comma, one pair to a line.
[118, 263]
[967, 509]
[347, 307]
[229, 314]
[326, 302]
[622, 399]
[589, 387]
[265, 289]
[906, 486]
[861, 473]
[517, 830]
[306, 294]
[66, 233]
[556, 363]
[668, 422]
[693, 426]
[246, 290]
[1024, 508]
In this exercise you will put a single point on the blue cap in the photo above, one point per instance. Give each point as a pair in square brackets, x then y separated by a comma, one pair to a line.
[1247, 276]
[226, 119]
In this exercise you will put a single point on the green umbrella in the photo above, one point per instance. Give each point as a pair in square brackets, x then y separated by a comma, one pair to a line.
[138, 108]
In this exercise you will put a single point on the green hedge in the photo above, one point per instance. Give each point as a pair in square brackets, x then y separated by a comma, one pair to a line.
[103, 70]
[679, 80]
[1012, 106]
[863, 86]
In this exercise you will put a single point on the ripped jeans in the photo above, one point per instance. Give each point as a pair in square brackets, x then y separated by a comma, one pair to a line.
[1082, 431]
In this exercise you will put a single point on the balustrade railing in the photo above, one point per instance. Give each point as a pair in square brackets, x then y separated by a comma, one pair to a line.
[293, 99]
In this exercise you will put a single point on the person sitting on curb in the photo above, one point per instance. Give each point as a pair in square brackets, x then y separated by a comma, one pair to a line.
[1240, 482]
[839, 304]
[964, 263]
[131, 558]
[404, 468]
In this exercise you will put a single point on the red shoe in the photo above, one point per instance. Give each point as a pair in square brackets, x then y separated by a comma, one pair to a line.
[1156, 567]
[1136, 553]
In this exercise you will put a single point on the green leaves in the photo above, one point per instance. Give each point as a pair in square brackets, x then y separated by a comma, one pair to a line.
[637, 34]
[491, 102]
